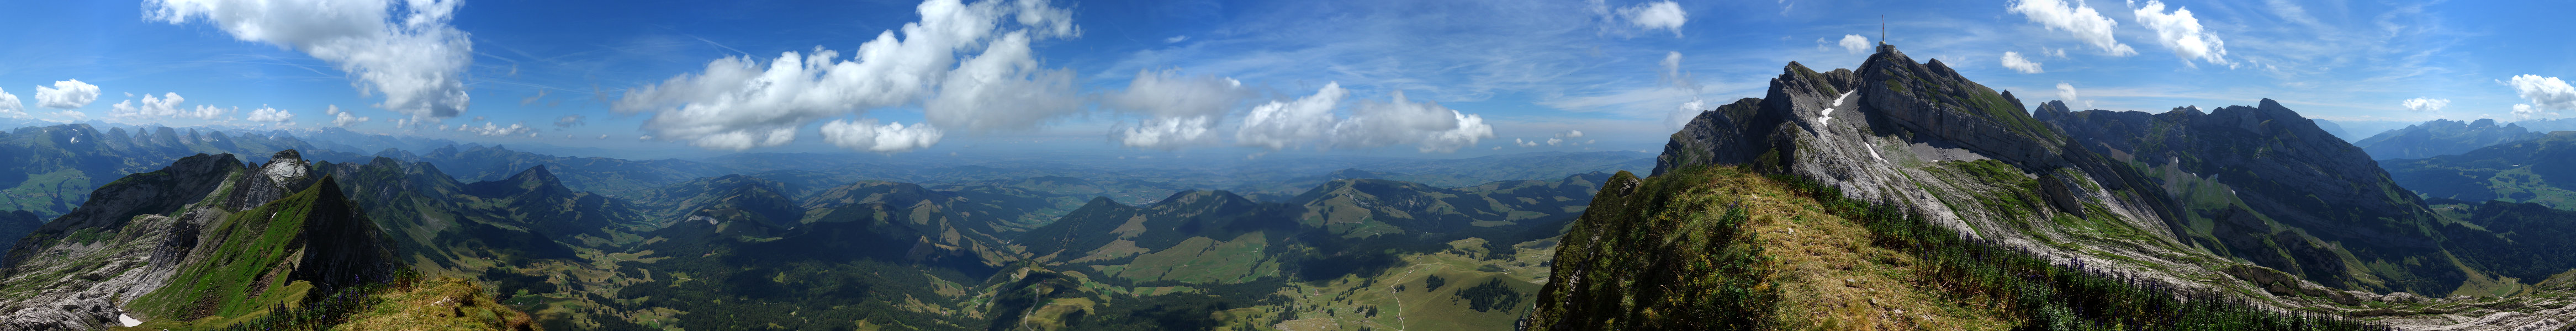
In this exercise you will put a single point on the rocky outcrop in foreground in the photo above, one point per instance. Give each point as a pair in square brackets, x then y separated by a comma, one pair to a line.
[92, 268]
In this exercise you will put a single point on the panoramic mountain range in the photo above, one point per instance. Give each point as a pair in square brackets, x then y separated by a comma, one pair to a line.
[827, 247]
[1898, 195]
[1300, 165]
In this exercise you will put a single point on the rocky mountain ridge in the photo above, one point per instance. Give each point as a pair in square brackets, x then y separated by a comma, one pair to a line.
[117, 257]
[2215, 199]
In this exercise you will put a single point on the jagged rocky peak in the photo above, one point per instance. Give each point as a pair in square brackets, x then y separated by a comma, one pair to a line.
[284, 173]
[285, 166]
[1934, 101]
[1921, 136]
[1891, 94]
[1797, 80]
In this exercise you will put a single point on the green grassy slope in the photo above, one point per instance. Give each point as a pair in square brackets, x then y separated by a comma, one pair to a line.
[281, 254]
[1721, 248]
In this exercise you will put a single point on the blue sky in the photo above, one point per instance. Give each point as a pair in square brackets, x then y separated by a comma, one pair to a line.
[1221, 78]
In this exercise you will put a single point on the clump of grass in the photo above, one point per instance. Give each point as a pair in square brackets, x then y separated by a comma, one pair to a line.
[441, 304]
[328, 310]
[1662, 254]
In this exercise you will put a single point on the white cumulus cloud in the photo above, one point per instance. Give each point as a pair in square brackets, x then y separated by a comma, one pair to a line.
[271, 115]
[2425, 104]
[1855, 44]
[10, 107]
[1167, 133]
[1002, 89]
[1426, 125]
[1657, 15]
[66, 94]
[2066, 92]
[1664, 15]
[1278, 125]
[403, 49]
[889, 138]
[344, 119]
[165, 106]
[2017, 63]
[490, 129]
[2544, 92]
[2182, 33]
[2076, 18]
[1180, 110]
[735, 104]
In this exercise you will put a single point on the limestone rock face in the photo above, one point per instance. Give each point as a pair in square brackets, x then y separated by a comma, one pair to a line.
[284, 174]
[143, 256]
[1920, 136]
[128, 247]
[140, 232]
[2284, 194]
[1931, 99]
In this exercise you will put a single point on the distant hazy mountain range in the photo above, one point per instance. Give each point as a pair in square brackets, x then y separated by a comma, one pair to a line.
[2441, 137]
[214, 241]
[2353, 131]
[2522, 171]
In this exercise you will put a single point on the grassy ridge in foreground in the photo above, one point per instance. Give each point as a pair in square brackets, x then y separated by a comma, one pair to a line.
[1688, 251]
